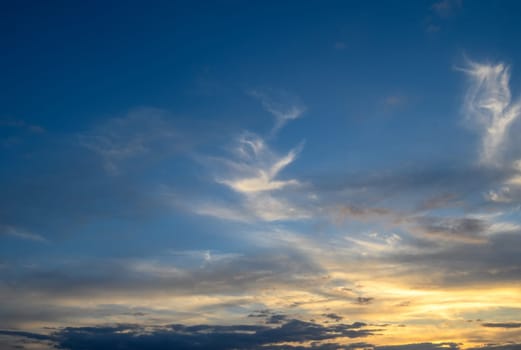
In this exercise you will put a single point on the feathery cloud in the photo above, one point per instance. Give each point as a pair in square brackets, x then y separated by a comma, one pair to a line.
[283, 111]
[22, 234]
[489, 106]
[257, 166]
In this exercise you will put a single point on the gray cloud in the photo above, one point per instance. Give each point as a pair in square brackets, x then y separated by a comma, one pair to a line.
[131, 336]
[497, 260]
[31, 290]
[333, 317]
[420, 346]
[241, 337]
[502, 324]
[456, 229]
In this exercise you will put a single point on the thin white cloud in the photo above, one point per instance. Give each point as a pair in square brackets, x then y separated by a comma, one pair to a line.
[20, 233]
[253, 172]
[282, 111]
[269, 207]
[221, 211]
[489, 106]
[258, 167]
[138, 133]
[446, 8]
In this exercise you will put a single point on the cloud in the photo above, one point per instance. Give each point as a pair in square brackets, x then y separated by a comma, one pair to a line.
[253, 172]
[22, 234]
[446, 8]
[139, 133]
[361, 213]
[178, 336]
[364, 300]
[433, 28]
[502, 325]
[438, 201]
[511, 346]
[470, 230]
[333, 317]
[340, 45]
[290, 335]
[283, 106]
[395, 100]
[218, 281]
[257, 166]
[421, 346]
[22, 125]
[441, 11]
[489, 106]
[496, 261]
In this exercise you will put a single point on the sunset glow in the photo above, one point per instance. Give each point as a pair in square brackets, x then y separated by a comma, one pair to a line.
[240, 175]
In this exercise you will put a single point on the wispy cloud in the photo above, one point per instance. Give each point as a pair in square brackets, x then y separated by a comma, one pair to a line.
[138, 133]
[283, 107]
[446, 8]
[20, 233]
[253, 171]
[22, 125]
[489, 106]
[340, 45]
[257, 167]
[441, 11]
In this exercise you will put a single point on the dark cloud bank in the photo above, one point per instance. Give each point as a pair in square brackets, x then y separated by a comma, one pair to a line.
[246, 337]
[198, 336]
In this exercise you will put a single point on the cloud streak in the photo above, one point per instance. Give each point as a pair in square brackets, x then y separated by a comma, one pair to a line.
[22, 234]
[257, 167]
[489, 106]
[280, 108]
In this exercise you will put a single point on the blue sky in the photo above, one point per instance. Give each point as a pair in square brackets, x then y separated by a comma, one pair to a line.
[312, 174]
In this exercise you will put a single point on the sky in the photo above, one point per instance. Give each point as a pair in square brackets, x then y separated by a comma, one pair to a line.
[260, 175]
